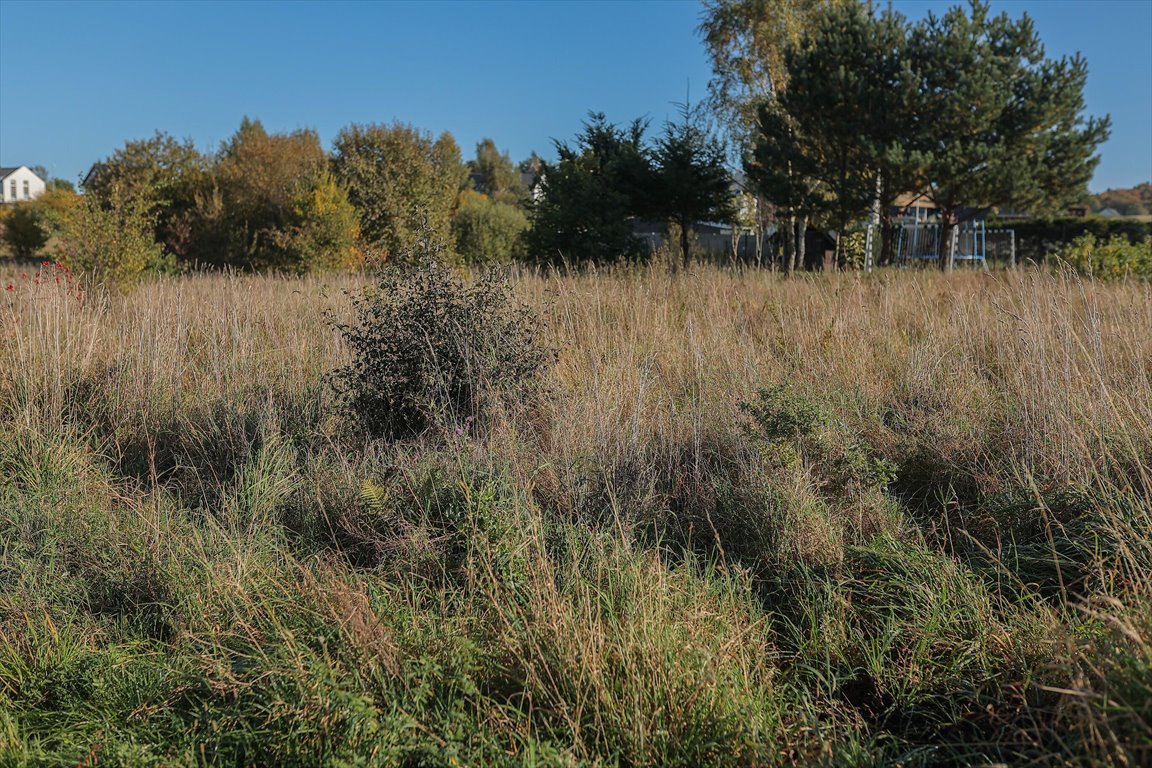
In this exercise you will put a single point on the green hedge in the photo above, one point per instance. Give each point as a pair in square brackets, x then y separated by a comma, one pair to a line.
[1037, 239]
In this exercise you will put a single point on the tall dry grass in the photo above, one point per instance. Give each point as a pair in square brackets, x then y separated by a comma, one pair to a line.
[947, 561]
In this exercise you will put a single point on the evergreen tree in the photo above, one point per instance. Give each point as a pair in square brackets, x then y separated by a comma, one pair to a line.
[747, 41]
[691, 183]
[997, 124]
[775, 166]
[850, 92]
[962, 107]
[592, 194]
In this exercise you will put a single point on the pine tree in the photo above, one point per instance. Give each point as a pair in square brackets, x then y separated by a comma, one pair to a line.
[997, 124]
[691, 182]
[591, 195]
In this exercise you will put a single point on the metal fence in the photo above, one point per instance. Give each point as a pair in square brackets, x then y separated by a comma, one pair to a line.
[971, 243]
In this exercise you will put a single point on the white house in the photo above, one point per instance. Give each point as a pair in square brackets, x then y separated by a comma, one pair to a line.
[18, 184]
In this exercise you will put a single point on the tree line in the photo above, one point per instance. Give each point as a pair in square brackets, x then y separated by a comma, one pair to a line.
[831, 109]
[279, 201]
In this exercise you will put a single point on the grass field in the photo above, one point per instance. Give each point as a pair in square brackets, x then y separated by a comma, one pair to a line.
[900, 518]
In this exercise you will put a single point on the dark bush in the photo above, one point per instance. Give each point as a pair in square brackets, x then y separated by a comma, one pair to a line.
[428, 349]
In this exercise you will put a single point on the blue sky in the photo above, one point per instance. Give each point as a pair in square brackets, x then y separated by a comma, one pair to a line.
[78, 79]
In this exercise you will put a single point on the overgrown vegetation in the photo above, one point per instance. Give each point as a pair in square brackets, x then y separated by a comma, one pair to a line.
[427, 349]
[1109, 260]
[895, 519]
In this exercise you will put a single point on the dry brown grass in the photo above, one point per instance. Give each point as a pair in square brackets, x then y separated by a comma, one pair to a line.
[651, 546]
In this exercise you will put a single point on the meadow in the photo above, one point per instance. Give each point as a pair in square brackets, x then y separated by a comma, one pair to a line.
[891, 519]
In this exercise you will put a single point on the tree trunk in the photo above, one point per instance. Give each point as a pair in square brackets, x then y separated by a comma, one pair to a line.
[798, 258]
[840, 257]
[788, 240]
[887, 240]
[761, 231]
[684, 224]
[947, 227]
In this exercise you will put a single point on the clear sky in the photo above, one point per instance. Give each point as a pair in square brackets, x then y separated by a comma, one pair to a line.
[78, 79]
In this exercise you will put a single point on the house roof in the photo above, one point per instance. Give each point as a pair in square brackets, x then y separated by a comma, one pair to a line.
[914, 200]
[6, 172]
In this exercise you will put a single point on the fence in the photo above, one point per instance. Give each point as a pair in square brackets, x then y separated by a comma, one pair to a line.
[914, 243]
[971, 243]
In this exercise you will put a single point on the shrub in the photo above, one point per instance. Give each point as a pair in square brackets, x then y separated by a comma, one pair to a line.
[853, 249]
[1116, 257]
[428, 348]
[22, 230]
[795, 430]
[113, 242]
[1037, 239]
[322, 231]
[828, 482]
[487, 231]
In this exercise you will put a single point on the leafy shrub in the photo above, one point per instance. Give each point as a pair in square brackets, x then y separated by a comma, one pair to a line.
[853, 248]
[321, 232]
[488, 231]
[113, 242]
[428, 348]
[1037, 239]
[22, 231]
[1105, 260]
[794, 430]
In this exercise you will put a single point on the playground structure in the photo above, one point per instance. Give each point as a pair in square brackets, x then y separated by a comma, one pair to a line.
[918, 242]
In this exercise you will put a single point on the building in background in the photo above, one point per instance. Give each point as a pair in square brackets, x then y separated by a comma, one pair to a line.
[20, 183]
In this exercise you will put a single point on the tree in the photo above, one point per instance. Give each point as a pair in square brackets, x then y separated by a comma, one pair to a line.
[400, 181]
[747, 41]
[530, 164]
[832, 143]
[165, 174]
[775, 166]
[275, 205]
[22, 231]
[691, 183]
[499, 178]
[323, 228]
[591, 195]
[996, 122]
[26, 227]
[487, 231]
[109, 239]
[1133, 201]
